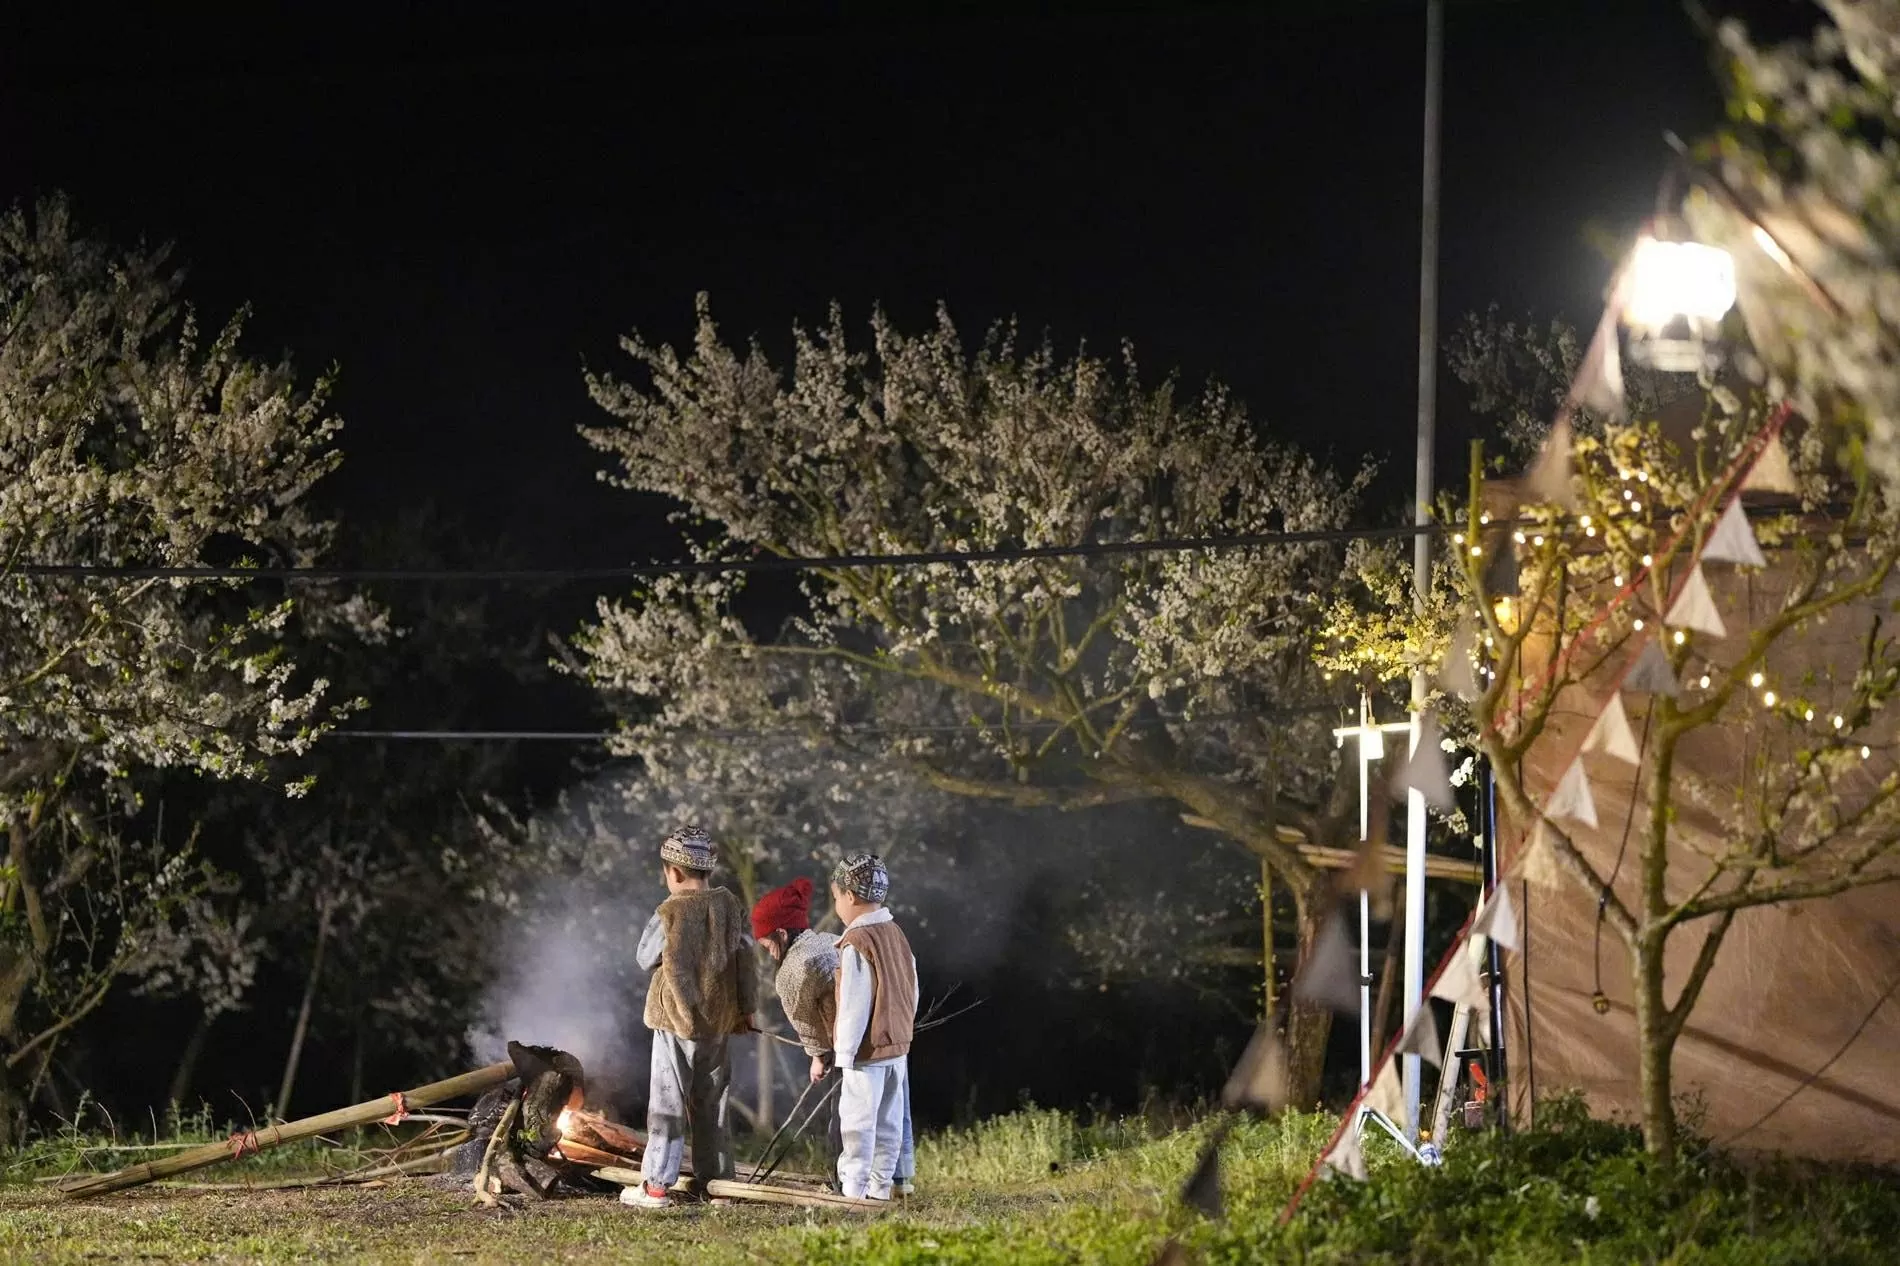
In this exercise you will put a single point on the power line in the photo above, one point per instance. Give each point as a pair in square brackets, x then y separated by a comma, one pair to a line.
[711, 567]
[601, 736]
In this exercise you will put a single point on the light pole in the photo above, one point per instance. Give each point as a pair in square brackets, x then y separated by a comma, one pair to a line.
[1371, 740]
[1422, 544]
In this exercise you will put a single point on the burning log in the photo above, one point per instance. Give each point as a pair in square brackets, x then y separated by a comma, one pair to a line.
[249, 1142]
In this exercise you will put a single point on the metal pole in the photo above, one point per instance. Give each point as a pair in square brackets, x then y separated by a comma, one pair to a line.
[1494, 960]
[1422, 547]
[1366, 732]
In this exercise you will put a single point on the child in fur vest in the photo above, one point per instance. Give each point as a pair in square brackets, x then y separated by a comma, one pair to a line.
[877, 1014]
[700, 994]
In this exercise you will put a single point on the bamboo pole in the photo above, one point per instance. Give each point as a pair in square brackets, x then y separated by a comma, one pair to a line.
[246, 1143]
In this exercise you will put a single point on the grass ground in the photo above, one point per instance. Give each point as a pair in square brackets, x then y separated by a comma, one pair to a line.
[1036, 1187]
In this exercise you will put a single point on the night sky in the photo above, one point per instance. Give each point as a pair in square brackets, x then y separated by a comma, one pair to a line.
[460, 212]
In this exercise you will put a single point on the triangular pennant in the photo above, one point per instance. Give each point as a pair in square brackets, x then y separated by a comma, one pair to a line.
[1421, 1036]
[1548, 480]
[1460, 984]
[1733, 541]
[1572, 798]
[1500, 574]
[1611, 734]
[1455, 673]
[1202, 1189]
[1772, 471]
[1423, 770]
[1652, 674]
[1537, 865]
[1345, 1156]
[1694, 607]
[1600, 378]
[1498, 918]
[1329, 976]
[1258, 1082]
[1387, 1093]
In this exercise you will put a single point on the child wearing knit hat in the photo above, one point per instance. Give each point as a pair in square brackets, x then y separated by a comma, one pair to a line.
[877, 1013]
[806, 981]
[700, 994]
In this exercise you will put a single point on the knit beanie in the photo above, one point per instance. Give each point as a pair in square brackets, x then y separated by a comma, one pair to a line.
[689, 848]
[786, 909]
[863, 875]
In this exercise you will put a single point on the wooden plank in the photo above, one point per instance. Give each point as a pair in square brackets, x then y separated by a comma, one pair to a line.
[251, 1142]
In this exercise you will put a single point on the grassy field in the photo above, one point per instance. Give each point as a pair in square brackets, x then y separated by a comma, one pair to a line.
[1037, 1187]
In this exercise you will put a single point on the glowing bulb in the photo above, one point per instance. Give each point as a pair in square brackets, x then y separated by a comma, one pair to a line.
[1638, 625]
[1681, 637]
[1755, 680]
[1484, 516]
[1589, 531]
[1642, 476]
[1477, 551]
[1537, 540]
[1518, 537]
[1628, 474]
[1458, 538]
[1627, 494]
[1585, 520]
[1769, 698]
[1617, 580]
[1839, 722]
[1636, 507]
[1866, 752]
[1705, 681]
[1808, 715]
[1678, 279]
[1649, 560]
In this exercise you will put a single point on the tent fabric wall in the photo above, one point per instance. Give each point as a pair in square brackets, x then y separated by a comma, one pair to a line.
[1804, 1002]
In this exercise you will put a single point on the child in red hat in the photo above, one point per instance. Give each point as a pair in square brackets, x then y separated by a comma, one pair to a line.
[806, 980]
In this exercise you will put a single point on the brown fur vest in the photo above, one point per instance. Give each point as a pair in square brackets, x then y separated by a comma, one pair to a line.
[704, 984]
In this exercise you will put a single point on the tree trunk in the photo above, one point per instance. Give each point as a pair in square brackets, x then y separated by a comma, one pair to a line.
[1268, 998]
[1308, 1026]
[1655, 1046]
[282, 1106]
[187, 1070]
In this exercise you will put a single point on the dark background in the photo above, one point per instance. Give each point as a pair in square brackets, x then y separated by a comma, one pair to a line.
[460, 208]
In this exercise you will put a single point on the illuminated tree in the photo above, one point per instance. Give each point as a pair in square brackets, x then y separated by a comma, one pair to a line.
[127, 439]
[1070, 682]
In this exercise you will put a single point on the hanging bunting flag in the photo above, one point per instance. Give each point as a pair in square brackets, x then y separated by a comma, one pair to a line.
[1387, 1095]
[1424, 769]
[1572, 799]
[1538, 864]
[1329, 976]
[1202, 1189]
[1652, 674]
[1611, 734]
[1455, 673]
[1345, 1157]
[1460, 984]
[1548, 480]
[1421, 1037]
[1733, 540]
[1258, 1082]
[1498, 919]
[1694, 607]
[1772, 471]
[1601, 374]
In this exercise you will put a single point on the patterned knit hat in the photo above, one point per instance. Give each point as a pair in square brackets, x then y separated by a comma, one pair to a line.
[863, 875]
[689, 848]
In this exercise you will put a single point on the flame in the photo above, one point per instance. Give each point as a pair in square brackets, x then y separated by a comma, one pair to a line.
[563, 1121]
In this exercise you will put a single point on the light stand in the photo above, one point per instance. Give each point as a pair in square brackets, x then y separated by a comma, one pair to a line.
[1371, 739]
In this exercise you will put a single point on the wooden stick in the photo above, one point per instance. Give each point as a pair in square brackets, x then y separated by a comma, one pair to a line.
[772, 1193]
[248, 1143]
[433, 1163]
[486, 1173]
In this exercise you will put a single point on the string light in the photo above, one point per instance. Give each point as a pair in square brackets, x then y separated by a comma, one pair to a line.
[1808, 715]
[1617, 580]
[1589, 531]
[1484, 516]
[1636, 507]
[1705, 681]
[1769, 698]
[1585, 520]
[1755, 681]
[1458, 538]
[1477, 550]
[1519, 537]
[1537, 540]
[1639, 624]
[1642, 476]
[1648, 561]
[1866, 753]
[1839, 722]
[1681, 637]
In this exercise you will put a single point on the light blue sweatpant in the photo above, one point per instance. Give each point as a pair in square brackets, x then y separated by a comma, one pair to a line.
[687, 1096]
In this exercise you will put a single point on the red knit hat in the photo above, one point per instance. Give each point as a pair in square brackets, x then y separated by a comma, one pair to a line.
[786, 909]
